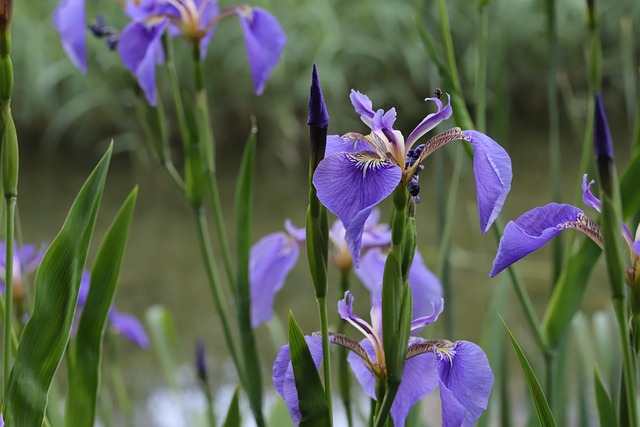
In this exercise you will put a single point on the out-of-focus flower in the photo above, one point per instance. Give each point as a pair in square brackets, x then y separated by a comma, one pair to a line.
[359, 171]
[26, 259]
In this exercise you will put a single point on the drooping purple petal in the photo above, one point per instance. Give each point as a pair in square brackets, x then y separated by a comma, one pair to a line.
[492, 170]
[587, 196]
[602, 137]
[363, 106]
[419, 379]
[345, 310]
[264, 40]
[271, 259]
[466, 379]
[318, 115]
[299, 234]
[207, 14]
[284, 380]
[140, 48]
[69, 19]
[129, 327]
[532, 230]
[431, 121]
[636, 247]
[348, 143]
[353, 235]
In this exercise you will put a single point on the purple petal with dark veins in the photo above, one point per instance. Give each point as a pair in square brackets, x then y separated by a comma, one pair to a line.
[345, 144]
[264, 40]
[345, 310]
[492, 170]
[466, 380]
[532, 230]
[419, 379]
[587, 196]
[431, 121]
[129, 327]
[140, 48]
[209, 12]
[353, 235]
[283, 378]
[363, 106]
[271, 259]
[69, 19]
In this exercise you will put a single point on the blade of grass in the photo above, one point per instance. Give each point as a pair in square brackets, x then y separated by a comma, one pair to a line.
[233, 418]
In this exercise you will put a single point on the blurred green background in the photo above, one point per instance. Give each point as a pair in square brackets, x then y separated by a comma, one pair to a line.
[65, 119]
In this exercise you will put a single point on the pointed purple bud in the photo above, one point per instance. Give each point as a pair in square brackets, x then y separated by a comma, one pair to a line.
[318, 115]
[602, 136]
[201, 362]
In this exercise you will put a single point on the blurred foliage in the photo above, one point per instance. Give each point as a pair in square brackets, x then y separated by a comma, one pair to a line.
[372, 46]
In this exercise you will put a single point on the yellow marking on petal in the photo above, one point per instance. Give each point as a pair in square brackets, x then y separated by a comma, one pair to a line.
[366, 160]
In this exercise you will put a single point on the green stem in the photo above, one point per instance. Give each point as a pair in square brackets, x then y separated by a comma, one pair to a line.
[628, 366]
[385, 407]
[117, 380]
[481, 70]
[448, 46]
[175, 87]
[10, 201]
[326, 360]
[216, 291]
[345, 375]
[550, 382]
[218, 220]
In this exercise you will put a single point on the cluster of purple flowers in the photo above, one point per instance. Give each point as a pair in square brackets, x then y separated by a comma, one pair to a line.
[140, 42]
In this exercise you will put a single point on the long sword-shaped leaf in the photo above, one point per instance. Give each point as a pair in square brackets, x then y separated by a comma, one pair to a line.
[244, 207]
[233, 414]
[606, 410]
[311, 399]
[86, 352]
[539, 400]
[45, 336]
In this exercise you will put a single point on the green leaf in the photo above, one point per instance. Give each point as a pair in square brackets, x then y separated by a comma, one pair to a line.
[629, 186]
[164, 338]
[569, 291]
[244, 208]
[86, 352]
[45, 336]
[539, 400]
[606, 410]
[233, 414]
[311, 398]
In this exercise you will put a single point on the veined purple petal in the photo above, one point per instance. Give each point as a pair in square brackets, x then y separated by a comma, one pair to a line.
[431, 121]
[532, 230]
[69, 19]
[587, 196]
[129, 327]
[602, 136]
[492, 169]
[426, 290]
[363, 106]
[209, 12]
[140, 48]
[345, 310]
[437, 306]
[264, 40]
[465, 381]
[348, 143]
[284, 380]
[271, 259]
[353, 235]
[419, 379]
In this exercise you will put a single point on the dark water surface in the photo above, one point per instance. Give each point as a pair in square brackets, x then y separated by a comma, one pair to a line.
[163, 265]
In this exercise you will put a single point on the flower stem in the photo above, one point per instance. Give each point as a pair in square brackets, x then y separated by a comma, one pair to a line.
[216, 291]
[10, 201]
[628, 366]
[175, 87]
[344, 374]
[326, 359]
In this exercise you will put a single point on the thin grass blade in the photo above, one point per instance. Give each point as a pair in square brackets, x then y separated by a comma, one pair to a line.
[233, 418]
[539, 400]
[86, 351]
[45, 336]
[606, 410]
[164, 338]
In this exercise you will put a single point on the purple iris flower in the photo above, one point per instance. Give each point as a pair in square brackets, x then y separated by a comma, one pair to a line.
[460, 368]
[140, 43]
[359, 171]
[274, 256]
[26, 259]
[536, 227]
[125, 324]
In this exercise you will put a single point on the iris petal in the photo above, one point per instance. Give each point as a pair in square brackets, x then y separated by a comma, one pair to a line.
[209, 12]
[587, 196]
[492, 170]
[348, 143]
[532, 230]
[363, 106]
[129, 327]
[467, 380]
[140, 48]
[264, 40]
[419, 379]
[284, 380]
[431, 121]
[69, 19]
[271, 259]
[350, 183]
